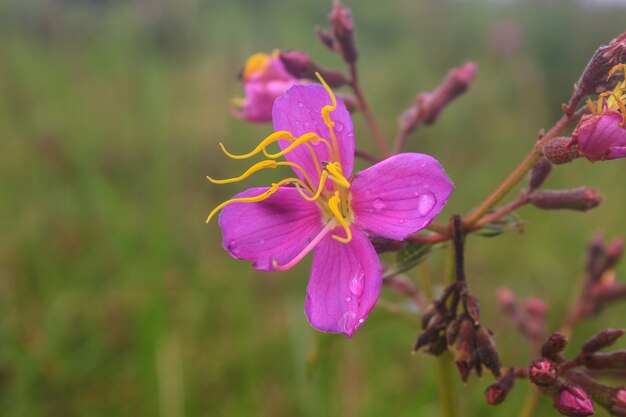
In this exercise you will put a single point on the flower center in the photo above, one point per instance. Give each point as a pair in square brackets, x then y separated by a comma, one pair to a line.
[331, 192]
[612, 100]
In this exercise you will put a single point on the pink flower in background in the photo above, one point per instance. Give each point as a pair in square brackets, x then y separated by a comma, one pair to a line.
[602, 134]
[326, 209]
[264, 79]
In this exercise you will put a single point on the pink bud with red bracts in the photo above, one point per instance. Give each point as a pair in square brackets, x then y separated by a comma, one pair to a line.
[619, 403]
[542, 372]
[574, 402]
[601, 136]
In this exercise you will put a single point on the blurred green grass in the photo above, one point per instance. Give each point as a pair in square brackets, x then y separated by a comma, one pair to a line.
[116, 299]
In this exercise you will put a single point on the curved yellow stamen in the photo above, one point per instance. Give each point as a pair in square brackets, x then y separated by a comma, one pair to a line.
[255, 199]
[274, 137]
[333, 204]
[307, 137]
[320, 188]
[299, 168]
[254, 168]
[336, 174]
[326, 116]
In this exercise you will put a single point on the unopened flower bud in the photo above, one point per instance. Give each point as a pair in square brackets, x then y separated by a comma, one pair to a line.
[618, 408]
[326, 38]
[614, 251]
[542, 372]
[574, 402]
[437, 347]
[300, 65]
[452, 331]
[612, 360]
[555, 344]
[602, 339]
[535, 307]
[426, 337]
[497, 392]
[579, 199]
[486, 350]
[342, 26]
[540, 173]
[506, 298]
[350, 100]
[560, 150]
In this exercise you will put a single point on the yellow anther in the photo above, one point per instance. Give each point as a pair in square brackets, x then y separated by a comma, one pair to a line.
[254, 168]
[618, 67]
[255, 64]
[307, 137]
[264, 196]
[336, 174]
[593, 107]
[274, 137]
[333, 204]
[326, 116]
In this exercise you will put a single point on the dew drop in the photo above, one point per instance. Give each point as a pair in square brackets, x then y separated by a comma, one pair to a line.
[338, 127]
[346, 322]
[357, 284]
[401, 221]
[348, 299]
[378, 204]
[425, 203]
[262, 242]
[300, 104]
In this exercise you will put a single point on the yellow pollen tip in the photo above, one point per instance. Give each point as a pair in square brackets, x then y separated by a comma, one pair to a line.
[336, 174]
[255, 64]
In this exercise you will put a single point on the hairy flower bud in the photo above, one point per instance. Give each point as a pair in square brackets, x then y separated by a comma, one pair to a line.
[555, 344]
[560, 150]
[618, 408]
[326, 38]
[612, 360]
[497, 392]
[542, 372]
[614, 251]
[540, 172]
[300, 65]
[602, 339]
[486, 350]
[472, 306]
[342, 27]
[580, 199]
[465, 349]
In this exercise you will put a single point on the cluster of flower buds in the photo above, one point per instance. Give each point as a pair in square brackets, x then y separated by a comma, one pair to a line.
[426, 107]
[573, 390]
[528, 315]
[600, 286]
[340, 37]
[443, 328]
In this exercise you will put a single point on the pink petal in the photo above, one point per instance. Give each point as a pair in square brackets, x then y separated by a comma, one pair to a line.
[298, 112]
[260, 97]
[275, 229]
[345, 283]
[616, 152]
[400, 195]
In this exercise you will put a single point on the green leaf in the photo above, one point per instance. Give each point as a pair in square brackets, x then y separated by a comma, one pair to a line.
[502, 225]
[410, 255]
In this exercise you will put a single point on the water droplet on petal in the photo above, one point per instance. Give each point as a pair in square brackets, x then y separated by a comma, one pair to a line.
[300, 104]
[262, 242]
[425, 203]
[338, 127]
[401, 221]
[346, 322]
[378, 204]
[348, 299]
[357, 284]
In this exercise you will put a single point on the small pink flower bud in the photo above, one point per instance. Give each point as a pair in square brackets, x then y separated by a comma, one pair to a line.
[326, 38]
[619, 402]
[300, 65]
[553, 346]
[542, 372]
[603, 339]
[505, 298]
[614, 251]
[497, 392]
[574, 402]
[560, 150]
[600, 136]
[612, 360]
[342, 26]
[580, 199]
[535, 307]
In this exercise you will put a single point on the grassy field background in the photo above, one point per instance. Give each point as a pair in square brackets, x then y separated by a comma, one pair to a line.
[117, 300]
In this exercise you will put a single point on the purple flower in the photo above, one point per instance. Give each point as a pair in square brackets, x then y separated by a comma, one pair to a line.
[574, 402]
[324, 208]
[602, 134]
[264, 79]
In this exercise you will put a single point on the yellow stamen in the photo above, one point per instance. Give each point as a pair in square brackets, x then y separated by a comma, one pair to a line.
[264, 196]
[274, 137]
[255, 64]
[326, 116]
[307, 137]
[336, 174]
[254, 168]
[333, 204]
[320, 188]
